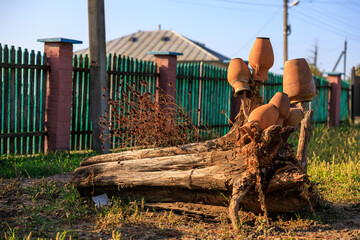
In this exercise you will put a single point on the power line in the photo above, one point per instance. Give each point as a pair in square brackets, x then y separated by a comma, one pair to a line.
[314, 23]
[333, 17]
[258, 32]
[250, 3]
[216, 6]
[324, 24]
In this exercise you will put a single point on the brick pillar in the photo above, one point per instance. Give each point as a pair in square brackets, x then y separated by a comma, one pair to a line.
[59, 53]
[166, 63]
[334, 98]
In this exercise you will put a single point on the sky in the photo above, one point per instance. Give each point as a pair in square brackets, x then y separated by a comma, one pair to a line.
[229, 27]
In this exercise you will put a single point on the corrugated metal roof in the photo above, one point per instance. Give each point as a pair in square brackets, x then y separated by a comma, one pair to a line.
[137, 45]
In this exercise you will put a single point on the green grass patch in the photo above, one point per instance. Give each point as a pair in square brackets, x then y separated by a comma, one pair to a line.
[334, 161]
[40, 165]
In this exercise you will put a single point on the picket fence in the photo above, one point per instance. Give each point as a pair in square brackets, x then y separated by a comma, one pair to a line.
[22, 101]
[202, 91]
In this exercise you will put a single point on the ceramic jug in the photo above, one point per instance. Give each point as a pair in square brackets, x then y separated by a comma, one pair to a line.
[261, 58]
[281, 101]
[265, 116]
[238, 76]
[298, 81]
[295, 117]
[280, 122]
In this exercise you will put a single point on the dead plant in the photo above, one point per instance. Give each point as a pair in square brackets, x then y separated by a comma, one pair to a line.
[146, 119]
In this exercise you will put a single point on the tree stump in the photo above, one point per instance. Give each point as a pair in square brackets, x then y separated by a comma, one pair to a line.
[259, 174]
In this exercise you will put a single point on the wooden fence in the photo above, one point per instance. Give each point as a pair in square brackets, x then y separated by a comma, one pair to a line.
[202, 90]
[121, 72]
[22, 102]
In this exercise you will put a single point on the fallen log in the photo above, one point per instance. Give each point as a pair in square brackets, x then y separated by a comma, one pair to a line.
[185, 174]
[258, 173]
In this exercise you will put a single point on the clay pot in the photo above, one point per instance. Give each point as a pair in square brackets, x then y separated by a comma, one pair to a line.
[280, 122]
[298, 81]
[281, 101]
[295, 117]
[261, 58]
[265, 116]
[238, 76]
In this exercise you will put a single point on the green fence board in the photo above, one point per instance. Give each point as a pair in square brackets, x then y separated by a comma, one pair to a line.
[121, 72]
[201, 90]
[22, 94]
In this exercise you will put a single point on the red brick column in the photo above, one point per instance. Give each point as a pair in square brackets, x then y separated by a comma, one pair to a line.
[59, 54]
[166, 63]
[334, 98]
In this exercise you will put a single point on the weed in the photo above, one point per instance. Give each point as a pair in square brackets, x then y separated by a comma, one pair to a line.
[143, 119]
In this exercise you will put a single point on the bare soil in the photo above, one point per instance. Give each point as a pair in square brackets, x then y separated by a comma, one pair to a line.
[193, 221]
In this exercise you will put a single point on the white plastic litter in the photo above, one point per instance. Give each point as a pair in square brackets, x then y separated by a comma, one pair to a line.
[101, 200]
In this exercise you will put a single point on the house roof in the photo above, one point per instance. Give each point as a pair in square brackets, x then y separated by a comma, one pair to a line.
[137, 45]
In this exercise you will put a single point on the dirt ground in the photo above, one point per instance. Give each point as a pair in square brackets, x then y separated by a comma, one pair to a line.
[193, 221]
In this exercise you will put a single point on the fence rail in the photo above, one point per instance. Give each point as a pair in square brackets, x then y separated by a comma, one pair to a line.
[121, 72]
[202, 91]
[200, 87]
[22, 101]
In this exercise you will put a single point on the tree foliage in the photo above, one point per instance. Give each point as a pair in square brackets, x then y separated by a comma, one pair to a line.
[357, 70]
[315, 70]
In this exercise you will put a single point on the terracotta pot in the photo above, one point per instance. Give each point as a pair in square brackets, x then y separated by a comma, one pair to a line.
[295, 117]
[281, 101]
[298, 81]
[280, 122]
[238, 76]
[246, 129]
[265, 116]
[261, 58]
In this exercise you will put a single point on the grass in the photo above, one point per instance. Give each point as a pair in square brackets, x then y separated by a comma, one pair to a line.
[334, 162]
[40, 165]
[48, 209]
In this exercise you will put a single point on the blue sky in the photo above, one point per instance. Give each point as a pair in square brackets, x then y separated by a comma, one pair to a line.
[226, 26]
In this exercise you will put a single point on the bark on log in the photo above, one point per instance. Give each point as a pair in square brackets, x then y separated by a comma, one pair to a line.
[185, 174]
[258, 173]
[304, 137]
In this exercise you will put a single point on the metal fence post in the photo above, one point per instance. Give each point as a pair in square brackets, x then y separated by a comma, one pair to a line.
[59, 53]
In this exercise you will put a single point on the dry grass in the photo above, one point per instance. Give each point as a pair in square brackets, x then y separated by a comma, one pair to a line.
[137, 118]
[48, 209]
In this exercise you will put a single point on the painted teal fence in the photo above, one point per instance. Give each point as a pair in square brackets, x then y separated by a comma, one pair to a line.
[270, 87]
[22, 101]
[203, 92]
[121, 72]
[319, 102]
[344, 101]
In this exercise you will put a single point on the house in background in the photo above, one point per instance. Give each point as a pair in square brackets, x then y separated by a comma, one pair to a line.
[137, 45]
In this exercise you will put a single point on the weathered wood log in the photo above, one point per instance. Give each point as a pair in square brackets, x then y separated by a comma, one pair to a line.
[175, 175]
[258, 173]
[304, 137]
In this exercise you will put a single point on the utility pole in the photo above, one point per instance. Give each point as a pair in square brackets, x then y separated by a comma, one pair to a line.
[315, 54]
[343, 53]
[285, 31]
[98, 79]
[345, 49]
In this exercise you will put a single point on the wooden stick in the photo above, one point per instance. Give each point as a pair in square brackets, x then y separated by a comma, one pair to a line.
[304, 137]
